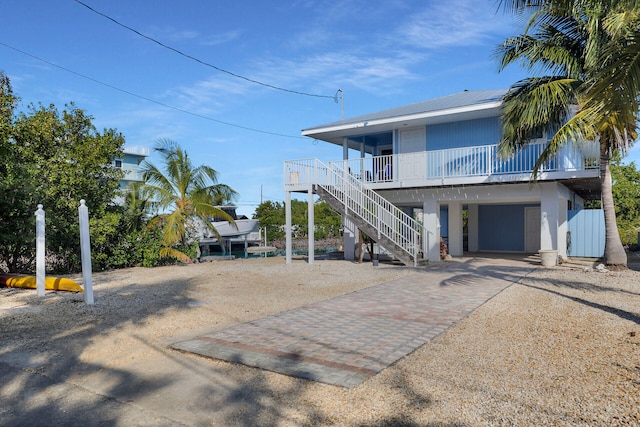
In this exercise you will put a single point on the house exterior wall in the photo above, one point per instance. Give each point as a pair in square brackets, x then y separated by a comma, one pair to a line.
[496, 215]
[130, 165]
[466, 133]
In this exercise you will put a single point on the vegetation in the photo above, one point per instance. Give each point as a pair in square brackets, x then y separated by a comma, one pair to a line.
[587, 53]
[272, 217]
[54, 158]
[190, 194]
[626, 194]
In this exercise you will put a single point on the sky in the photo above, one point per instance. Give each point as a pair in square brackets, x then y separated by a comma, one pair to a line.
[234, 83]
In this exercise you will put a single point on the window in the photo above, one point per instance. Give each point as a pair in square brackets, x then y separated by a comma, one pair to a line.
[118, 163]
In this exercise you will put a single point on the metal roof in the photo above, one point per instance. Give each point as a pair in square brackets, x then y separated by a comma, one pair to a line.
[467, 100]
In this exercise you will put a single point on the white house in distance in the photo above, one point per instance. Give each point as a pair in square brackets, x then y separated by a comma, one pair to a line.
[130, 164]
[419, 167]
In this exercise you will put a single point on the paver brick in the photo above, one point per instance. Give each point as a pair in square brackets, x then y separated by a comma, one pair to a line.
[349, 338]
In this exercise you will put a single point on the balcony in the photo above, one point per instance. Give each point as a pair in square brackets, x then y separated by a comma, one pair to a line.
[137, 150]
[458, 166]
[132, 174]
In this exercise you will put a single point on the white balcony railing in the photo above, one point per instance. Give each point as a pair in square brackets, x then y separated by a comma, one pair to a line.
[137, 150]
[132, 175]
[468, 162]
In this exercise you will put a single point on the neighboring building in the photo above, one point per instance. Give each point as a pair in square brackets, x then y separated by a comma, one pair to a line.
[130, 164]
[420, 167]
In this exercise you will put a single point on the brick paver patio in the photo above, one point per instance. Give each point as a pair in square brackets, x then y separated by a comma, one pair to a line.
[347, 339]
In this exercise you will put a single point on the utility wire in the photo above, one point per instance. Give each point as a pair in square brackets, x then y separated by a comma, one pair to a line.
[148, 99]
[193, 58]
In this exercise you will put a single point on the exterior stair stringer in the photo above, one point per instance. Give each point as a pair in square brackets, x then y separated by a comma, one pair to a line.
[363, 225]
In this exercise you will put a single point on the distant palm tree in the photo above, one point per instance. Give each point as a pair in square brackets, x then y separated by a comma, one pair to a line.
[187, 193]
[137, 204]
[584, 95]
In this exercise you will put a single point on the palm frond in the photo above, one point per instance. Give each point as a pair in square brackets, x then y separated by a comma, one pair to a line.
[168, 251]
[531, 107]
[175, 227]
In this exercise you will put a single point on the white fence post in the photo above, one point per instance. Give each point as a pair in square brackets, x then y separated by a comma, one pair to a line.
[40, 251]
[85, 250]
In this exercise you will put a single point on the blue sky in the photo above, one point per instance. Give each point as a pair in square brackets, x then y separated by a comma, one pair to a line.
[381, 54]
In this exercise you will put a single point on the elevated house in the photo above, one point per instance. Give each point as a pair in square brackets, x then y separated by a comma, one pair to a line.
[130, 163]
[430, 172]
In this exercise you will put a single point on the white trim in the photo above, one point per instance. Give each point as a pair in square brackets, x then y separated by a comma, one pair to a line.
[399, 119]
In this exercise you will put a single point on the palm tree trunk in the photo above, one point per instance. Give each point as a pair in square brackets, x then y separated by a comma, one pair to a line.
[614, 253]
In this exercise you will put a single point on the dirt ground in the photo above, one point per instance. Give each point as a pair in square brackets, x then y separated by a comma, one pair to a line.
[560, 347]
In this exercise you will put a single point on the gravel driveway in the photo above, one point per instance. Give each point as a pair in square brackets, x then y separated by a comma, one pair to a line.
[560, 347]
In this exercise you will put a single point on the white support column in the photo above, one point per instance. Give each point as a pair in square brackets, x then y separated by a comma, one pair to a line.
[455, 229]
[311, 225]
[349, 239]
[549, 216]
[40, 251]
[287, 226]
[473, 228]
[345, 148]
[85, 251]
[562, 227]
[431, 215]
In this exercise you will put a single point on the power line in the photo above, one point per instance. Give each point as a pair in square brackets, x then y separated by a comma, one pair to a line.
[193, 58]
[148, 99]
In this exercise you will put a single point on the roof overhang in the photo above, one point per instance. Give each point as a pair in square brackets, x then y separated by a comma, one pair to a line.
[336, 132]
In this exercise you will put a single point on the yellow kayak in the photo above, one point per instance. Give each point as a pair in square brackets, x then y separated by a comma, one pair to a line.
[50, 283]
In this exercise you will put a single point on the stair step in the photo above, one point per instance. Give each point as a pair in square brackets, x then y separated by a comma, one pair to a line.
[367, 228]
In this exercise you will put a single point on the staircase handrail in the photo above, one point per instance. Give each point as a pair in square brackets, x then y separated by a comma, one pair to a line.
[366, 204]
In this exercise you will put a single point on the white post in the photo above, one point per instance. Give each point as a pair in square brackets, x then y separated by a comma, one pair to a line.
[85, 250]
[311, 222]
[287, 215]
[40, 250]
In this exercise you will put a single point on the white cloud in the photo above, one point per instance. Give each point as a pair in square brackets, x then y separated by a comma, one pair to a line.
[454, 23]
[222, 38]
[207, 96]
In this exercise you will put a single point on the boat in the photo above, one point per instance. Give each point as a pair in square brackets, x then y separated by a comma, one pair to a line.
[244, 232]
[30, 282]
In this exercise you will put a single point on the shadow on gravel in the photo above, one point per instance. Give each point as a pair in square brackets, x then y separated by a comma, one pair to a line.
[623, 314]
[399, 422]
[42, 369]
[45, 381]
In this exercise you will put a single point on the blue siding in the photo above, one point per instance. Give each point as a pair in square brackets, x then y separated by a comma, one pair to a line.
[467, 133]
[587, 233]
[501, 227]
[132, 159]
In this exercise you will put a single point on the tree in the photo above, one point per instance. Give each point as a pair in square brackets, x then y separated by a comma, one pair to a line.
[66, 159]
[272, 217]
[576, 100]
[16, 221]
[55, 159]
[626, 193]
[137, 202]
[188, 193]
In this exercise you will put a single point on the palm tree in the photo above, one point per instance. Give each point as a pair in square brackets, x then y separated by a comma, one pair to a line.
[137, 203]
[574, 44]
[188, 193]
